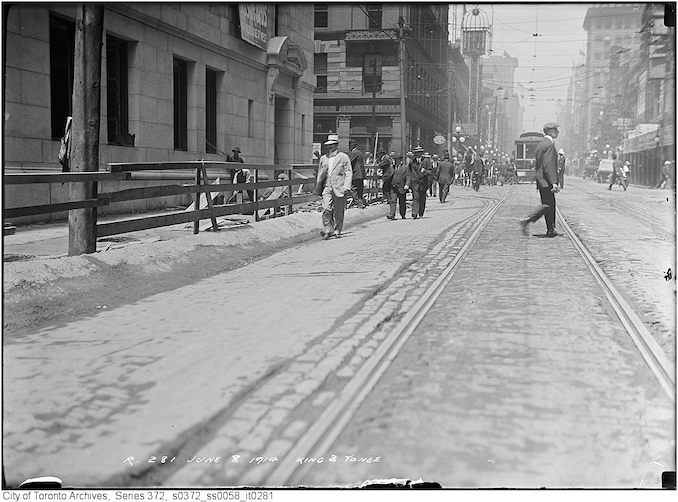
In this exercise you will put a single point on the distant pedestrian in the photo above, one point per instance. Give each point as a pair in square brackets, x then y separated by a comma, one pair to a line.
[478, 170]
[357, 158]
[243, 176]
[334, 180]
[616, 171]
[546, 177]
[385, 164]
[400, 186]
[433, 180]
[445, 173]
[561, 167]
[626, 173]
[235, 157]
[665, 179]
[420, 170]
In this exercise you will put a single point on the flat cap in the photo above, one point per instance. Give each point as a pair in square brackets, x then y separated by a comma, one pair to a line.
[550, 125]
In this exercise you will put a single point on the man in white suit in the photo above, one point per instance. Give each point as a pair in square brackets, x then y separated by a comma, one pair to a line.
[334, 180]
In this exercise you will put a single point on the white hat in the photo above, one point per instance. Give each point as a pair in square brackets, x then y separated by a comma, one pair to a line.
[561, 151]
[332, 139]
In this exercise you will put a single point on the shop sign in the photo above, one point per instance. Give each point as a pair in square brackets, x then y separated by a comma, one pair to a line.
[254, 23]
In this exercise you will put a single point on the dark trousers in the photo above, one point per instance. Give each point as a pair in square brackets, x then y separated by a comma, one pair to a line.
[443, 191]
[357, 189]
[419, 198]
[547, 209]
[561, 178]
[477, 180]
[396, 198]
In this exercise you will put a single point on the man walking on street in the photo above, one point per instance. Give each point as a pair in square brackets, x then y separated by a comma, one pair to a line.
[546, 176]
[400, 186]
[385, 163]
[478, 170]
[358, 167]
[561, 167]
[433, 180]
[420, 170]
[616, 171]
[334, 180]
[445, 177]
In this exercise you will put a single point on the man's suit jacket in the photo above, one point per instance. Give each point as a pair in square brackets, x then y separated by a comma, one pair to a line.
[387, 172]
[546, 165]
[416, 175]
[357, 163]
[335, 172]
[401, 178]
[445, 172]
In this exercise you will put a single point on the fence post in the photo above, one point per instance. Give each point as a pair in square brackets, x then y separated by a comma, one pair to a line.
[289, 208]
[196, 207]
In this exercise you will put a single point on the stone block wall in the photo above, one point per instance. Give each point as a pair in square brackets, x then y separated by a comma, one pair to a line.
[203, 34]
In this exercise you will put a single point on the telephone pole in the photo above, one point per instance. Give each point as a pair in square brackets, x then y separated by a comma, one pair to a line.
[401, 58]
[84, 155]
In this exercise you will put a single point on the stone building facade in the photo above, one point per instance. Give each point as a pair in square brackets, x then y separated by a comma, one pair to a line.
[357, 51]
[180, 81]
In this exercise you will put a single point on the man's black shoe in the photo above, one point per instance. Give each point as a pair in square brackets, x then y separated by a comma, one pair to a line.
[552, 233]
[391, 217]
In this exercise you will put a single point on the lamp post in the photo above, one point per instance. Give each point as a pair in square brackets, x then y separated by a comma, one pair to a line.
[458, 139]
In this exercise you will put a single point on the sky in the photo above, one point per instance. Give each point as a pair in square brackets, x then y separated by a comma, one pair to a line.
[557, 47]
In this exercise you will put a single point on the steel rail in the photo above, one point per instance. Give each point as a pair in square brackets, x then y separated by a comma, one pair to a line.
[617, 205]
[652, 353]
[336, 417]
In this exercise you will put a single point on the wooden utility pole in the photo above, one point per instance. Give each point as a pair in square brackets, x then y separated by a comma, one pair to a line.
[401, 60]
[84, 154]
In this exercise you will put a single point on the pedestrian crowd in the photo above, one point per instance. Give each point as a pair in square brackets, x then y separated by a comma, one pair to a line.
[341, 175]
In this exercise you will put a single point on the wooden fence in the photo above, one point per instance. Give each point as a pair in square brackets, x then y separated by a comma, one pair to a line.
[197, 171]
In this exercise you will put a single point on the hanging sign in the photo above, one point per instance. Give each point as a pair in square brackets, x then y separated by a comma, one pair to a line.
[254, 23]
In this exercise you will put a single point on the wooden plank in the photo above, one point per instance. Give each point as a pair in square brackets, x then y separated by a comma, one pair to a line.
[30, 178]
[215, 227]
[117, 167]
[15, 212]
[145, 223]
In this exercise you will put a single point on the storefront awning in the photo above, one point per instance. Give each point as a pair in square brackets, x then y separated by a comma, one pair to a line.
[640, 138]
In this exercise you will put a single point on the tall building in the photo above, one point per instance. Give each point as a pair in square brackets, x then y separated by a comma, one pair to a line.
[503, 115]
[180, 81]
[612, 29]
[357, 67]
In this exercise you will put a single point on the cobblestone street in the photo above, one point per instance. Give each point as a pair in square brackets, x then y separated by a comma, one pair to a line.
[520, 375]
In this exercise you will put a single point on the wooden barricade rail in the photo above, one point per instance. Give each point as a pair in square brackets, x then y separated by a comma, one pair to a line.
[142, 171]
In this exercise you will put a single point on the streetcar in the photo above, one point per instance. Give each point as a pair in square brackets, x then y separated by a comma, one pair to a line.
[525, 148]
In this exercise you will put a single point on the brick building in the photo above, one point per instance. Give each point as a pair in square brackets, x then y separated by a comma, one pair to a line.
[357, 52]
[179, 82]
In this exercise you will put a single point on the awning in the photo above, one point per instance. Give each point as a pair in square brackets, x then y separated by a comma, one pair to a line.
[640, 138]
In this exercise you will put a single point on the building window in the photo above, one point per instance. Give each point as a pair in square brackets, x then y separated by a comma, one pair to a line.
[374, 16]
[320, 71]
[320, 18]
[61, 53]
[210, 111]
[117, 96]
[180, 104]
[372, 73]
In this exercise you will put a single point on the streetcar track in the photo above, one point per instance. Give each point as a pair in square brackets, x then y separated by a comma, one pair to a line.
[652, 353]
[329, 425]
[643, 219]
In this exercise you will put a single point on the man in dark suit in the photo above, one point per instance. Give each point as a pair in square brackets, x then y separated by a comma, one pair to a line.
[358, 166]
[478, 170]
[546, 176]
[445, 177]
[420, 170]
[400, 186]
